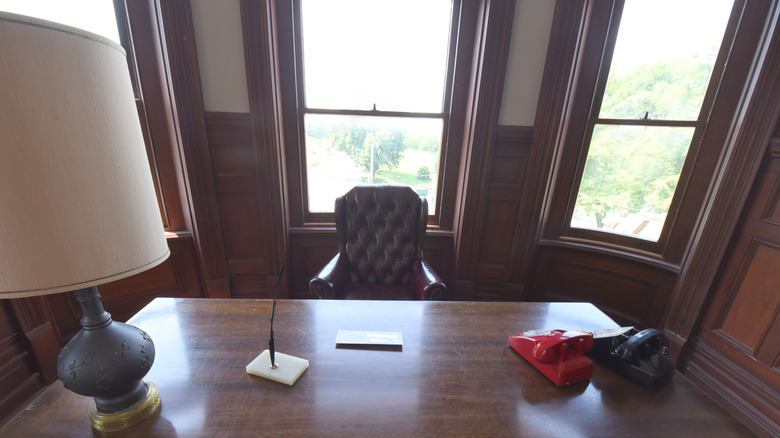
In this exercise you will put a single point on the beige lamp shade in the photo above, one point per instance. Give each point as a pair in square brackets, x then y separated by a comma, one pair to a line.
[77, 201]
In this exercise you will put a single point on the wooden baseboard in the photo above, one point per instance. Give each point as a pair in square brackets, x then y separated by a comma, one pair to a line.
[740, 393]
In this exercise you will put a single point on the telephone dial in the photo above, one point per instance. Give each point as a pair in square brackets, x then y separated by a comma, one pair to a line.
[642, 356]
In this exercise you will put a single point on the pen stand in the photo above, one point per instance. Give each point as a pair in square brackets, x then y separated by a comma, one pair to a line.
[287, 370]
[558, 354]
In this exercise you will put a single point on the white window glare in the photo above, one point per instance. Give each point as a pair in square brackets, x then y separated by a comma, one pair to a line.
[96, 16]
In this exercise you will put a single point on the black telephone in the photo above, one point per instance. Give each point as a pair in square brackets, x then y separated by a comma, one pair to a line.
[642, 356]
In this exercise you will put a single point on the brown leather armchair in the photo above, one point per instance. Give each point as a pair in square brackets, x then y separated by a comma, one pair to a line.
[380, 230]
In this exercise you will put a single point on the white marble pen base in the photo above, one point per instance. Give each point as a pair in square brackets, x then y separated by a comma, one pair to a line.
[288, 369]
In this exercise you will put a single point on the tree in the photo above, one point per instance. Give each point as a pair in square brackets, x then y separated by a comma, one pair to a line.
[370, 149]
[348, 139]
[633, 168]
[381, 150]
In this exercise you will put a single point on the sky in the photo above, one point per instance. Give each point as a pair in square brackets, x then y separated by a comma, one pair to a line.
[389, 53]
[662, 30]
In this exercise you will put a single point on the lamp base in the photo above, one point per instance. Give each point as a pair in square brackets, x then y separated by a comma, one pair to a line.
[113, 421]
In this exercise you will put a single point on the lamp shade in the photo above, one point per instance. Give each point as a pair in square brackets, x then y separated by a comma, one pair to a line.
[77, 200]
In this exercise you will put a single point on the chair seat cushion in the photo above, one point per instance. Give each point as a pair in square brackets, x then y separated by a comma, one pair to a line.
[378, 292]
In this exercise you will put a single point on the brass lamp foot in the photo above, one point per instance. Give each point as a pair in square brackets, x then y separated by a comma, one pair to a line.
[113, 421]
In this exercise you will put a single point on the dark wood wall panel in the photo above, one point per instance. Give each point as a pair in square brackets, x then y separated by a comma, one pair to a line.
[631, 293]
[756, 298]
[309, 252]
[735, 356]
[496, 256]
[236, 171]
[725, 374]
[20, 377]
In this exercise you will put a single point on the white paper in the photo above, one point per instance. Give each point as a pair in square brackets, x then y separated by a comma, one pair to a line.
[358, 337]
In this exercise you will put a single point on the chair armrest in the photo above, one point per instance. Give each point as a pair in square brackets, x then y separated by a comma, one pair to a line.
[330, 281]
[426, 283]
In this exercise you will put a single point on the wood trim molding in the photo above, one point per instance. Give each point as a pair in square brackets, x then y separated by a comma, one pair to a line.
[35, 322]
[142, 37]
[557, 83]
[260, 52]
[489, 71]
[728, 381]
[182, 66]
[754, 124]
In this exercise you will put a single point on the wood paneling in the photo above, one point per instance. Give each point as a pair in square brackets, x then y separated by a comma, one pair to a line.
[20, 376]
[141, 37]
[479, 145]
[752, 124]
[184, 76]
[496, 254]
[310, 251]
[629, 292]
[43, 338]
[756, 299]
[735, 357]
[261, 63]
[241, 211]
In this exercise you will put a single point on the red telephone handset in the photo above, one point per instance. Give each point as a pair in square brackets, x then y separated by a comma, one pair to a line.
[559, 344]
[558, 354]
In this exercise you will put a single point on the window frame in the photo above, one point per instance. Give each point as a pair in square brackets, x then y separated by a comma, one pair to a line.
[600, 25]
[290, 59]
[142, 39]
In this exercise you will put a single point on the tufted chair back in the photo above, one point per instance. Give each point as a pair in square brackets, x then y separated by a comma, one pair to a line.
[381, 229]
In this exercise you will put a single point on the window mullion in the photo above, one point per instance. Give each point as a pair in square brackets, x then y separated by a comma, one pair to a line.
[650, 122]
[374, 113]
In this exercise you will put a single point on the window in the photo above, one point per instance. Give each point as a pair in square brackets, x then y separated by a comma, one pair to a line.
[372, 99]
[647, 113]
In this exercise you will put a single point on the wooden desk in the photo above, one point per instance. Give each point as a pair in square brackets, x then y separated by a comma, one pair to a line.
[454, 377]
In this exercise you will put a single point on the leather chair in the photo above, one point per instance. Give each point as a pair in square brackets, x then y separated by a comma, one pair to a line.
[380, 230]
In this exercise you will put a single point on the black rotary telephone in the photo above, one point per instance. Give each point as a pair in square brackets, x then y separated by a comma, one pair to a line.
[642, 356]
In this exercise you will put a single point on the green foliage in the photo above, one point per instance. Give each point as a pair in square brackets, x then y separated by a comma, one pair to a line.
[348, 139]
[670, 90]
[381, 150]
[422, 143]
[424, 173]
[633, 169]
[372, 150]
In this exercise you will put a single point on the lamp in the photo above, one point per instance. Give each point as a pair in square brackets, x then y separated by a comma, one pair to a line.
[77, 202]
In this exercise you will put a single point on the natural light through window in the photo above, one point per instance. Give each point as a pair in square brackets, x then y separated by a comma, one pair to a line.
[374, 94]
[660, 70]
[96, 16]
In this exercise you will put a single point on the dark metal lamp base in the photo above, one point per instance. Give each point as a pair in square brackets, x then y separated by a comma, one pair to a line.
[108, 360]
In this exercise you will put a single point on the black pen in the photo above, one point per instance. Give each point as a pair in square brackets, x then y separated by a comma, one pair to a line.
[273, 312]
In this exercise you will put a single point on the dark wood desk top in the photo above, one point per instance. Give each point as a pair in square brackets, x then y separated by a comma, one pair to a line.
[455, 376]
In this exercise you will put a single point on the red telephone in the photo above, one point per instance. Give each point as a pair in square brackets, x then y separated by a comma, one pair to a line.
[558, 354]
